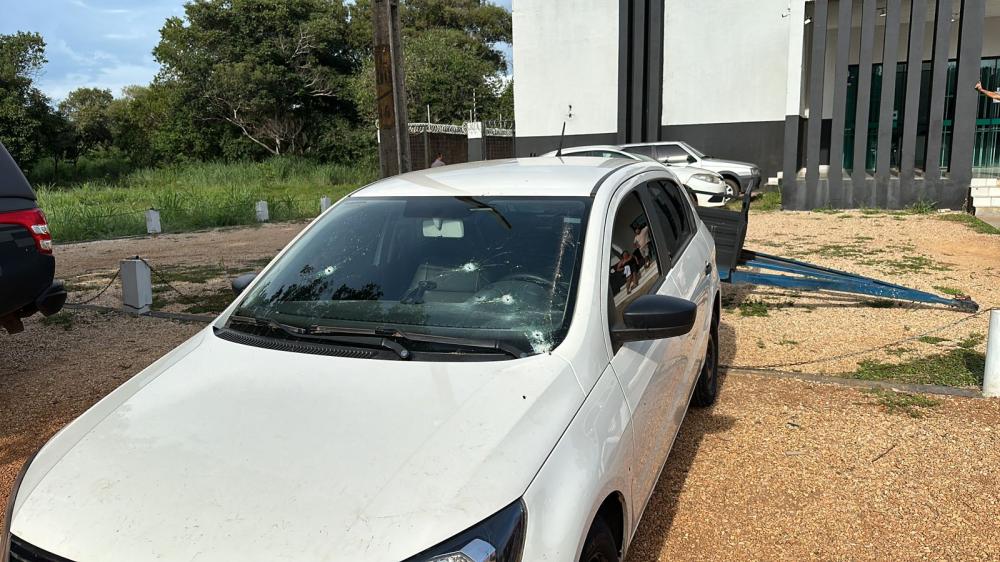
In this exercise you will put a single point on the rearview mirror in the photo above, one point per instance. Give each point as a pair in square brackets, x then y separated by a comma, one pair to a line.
[654, 317]
[676, 160]
[242, 282]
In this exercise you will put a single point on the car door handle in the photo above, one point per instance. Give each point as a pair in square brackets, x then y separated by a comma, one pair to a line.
[708, 268]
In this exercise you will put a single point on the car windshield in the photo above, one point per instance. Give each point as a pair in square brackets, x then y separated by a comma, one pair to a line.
[695, 151]
[500, 268]
[646, 158]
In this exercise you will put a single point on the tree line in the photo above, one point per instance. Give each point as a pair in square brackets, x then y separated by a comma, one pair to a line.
[248, 79]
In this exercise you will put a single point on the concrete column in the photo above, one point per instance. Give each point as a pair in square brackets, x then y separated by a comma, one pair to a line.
[261, 209]
[137, 286]
[324, 204]
[991, 379]
[153, 222]
[474, 131]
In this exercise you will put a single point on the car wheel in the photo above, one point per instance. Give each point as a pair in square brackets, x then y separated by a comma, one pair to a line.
[600, 545]
[708, 382]
[732, 187]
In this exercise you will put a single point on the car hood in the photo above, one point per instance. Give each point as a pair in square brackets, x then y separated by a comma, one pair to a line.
[720, 164]
[222, 451]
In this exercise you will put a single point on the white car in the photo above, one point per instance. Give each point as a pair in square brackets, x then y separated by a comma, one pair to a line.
[740, 176]
[710, 188]
[477, 362]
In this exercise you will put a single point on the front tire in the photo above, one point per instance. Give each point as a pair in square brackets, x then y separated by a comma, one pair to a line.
[707, 387]
[732, 187]
[600, 544]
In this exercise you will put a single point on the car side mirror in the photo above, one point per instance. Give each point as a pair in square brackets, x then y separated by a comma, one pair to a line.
[676, 160]
[242, 282]
[654, 317]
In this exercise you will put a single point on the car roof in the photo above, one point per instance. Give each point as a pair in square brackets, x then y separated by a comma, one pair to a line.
[12, 181]
[607, 147]
[576, 176]
[657, 143]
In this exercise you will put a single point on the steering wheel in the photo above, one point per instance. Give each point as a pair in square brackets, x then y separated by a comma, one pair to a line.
[529, 277]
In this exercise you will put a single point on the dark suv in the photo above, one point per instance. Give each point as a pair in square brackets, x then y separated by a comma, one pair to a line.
[26, 263]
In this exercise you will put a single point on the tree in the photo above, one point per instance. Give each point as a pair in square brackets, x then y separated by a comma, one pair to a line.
[24, 110]
[271, 69]
[449, 55]
[87, 110]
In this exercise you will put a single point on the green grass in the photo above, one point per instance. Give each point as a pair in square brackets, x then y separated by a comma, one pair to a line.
[768, 201]
[971, 222]
[931, 340]
[906, 264]
[62, 319]
[950, 291]
[972, 341]
[956, 367]
[922, 207]
[902, 402]
[197, 196]
[753, 308]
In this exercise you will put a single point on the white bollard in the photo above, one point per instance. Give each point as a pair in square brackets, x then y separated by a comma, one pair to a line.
[324, 204]
[153, 222]
[262, 215]
[137, 286]
[991, 379]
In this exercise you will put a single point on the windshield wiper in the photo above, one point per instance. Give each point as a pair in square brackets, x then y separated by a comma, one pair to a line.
[310, 333]
[478, 344]
[477, 204]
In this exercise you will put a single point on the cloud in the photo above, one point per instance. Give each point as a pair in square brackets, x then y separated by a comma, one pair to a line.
[130, 36]
[84, 5]
[113, 77]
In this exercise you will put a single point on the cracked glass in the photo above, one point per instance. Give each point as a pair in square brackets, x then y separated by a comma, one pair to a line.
[501, 268]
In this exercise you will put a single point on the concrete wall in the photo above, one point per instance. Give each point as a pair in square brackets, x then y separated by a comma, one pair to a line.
[565, 53]
[725, 61]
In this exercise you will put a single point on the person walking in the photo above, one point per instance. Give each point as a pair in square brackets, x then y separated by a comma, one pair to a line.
[987, 93]
[439, 161]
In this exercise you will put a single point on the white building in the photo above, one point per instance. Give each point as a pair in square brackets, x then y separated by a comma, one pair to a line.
[735, 79]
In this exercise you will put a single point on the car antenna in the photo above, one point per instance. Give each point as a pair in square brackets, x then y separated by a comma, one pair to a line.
[561, 135]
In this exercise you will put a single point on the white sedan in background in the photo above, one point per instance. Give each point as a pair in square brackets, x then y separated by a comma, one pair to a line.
[709, 187]
[472, 363]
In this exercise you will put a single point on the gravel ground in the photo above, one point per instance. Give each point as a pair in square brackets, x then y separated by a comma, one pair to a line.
[778, 468]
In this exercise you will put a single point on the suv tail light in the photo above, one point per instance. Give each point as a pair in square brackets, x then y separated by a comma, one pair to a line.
[34, 221]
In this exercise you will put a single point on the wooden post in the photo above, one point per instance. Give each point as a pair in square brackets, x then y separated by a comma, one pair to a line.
[390, 89]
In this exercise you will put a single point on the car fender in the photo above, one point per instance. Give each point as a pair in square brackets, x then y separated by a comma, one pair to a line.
[590, 462]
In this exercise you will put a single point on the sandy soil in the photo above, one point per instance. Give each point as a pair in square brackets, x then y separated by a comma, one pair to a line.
[778, 469]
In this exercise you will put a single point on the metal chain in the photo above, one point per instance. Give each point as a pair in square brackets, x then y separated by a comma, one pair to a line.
[162, 278]
[101, 292]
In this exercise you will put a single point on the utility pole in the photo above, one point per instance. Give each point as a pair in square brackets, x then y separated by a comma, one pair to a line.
[390, 90]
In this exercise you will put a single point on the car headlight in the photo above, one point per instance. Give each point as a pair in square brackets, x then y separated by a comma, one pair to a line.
[707, 178]
[500, 538]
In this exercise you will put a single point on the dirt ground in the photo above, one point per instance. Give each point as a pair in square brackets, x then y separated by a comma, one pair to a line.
[777, 469]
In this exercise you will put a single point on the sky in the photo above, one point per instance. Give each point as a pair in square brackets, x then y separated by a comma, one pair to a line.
[98, 43]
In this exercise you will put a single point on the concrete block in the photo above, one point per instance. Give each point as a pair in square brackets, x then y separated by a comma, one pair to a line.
[262, 214]
[324, 203]
[153, 222]
[137, 286]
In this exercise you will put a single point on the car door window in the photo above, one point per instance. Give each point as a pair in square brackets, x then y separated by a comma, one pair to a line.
[634, 269]
[645, 150]
[665, 151]
[674, 221]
